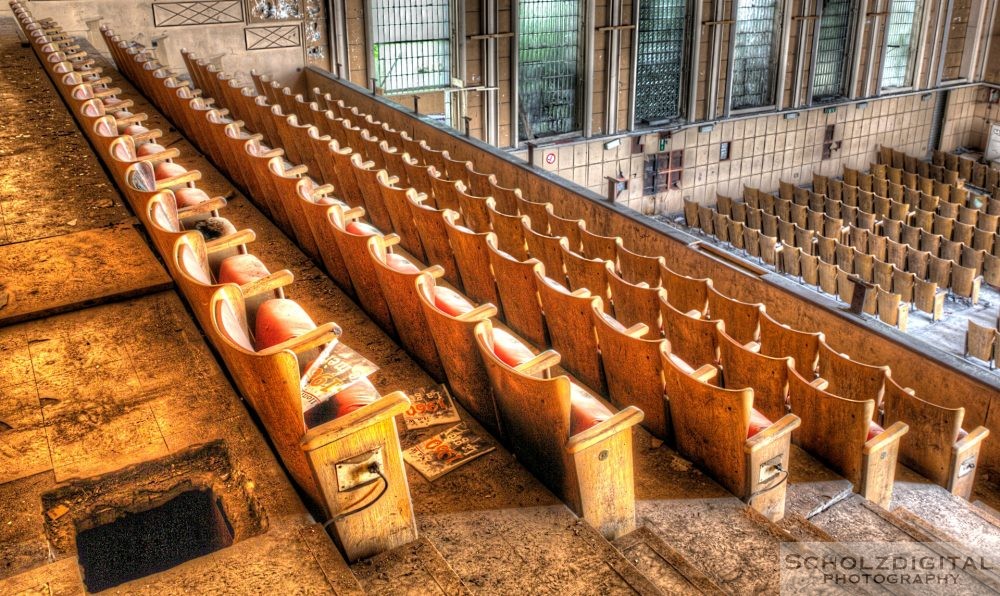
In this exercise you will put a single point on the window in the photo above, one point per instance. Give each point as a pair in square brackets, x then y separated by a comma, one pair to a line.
[899, 43]
[831, 49]
[411, 45]
[753, 55]
[660, 65]
[548, 67]
[662, 171]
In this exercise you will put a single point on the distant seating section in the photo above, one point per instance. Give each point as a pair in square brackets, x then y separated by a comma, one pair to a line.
[907, 232]
[500, 296]
[265, 338]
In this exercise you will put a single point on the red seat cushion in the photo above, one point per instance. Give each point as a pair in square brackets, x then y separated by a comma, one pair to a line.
[400, 263]
[758, 422]
[874, 430]
[360, 228]
[189, 197]
[281, 319]
[241, 269]
[149, 149]
[168, 169]
[585, 410]
[451, 302]
[509, 349]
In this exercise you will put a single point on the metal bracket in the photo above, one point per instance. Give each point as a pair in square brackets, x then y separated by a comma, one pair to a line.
[482, 36]
[616, 28]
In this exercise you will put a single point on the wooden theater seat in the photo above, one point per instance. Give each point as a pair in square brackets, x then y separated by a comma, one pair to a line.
[398, 274]
[841, 433]
[719, 430]
[937, 448]
[742, 319]
[849, 378]
[685, 293]
[634, 303]
[631, 359]
[564, 434]
[692, 337]
[472, 259]
[744, 366]
[266, 367]
[981, 342]
[779, 340]
[452, 320]
[571, 328]
[351, 235]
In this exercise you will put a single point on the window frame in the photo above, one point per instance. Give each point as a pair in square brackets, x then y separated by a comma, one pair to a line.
[916, 43]
[683, 92]
[779, 51]
[372, 62]
[850, 49]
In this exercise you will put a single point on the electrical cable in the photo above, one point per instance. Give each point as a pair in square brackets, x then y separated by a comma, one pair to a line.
[374, 468]
[762, 491]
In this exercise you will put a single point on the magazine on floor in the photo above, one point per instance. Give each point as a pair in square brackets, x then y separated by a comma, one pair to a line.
[430, 407]
[446, 451]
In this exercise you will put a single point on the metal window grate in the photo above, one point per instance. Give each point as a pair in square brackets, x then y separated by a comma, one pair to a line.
[548, 67]
[660, 65]
[411, 44]
[754, 62]
[831, 49]
[898, 40]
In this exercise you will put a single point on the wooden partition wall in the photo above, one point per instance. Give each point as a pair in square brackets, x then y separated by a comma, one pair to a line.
[935, 376]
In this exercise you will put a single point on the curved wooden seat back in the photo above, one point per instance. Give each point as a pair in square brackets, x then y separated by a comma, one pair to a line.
[372, 197]
[507, 199]
[710, 426]
[744, 366]
[518, 294]
[742, 319]
[538, 213]
[634, 303]
[509, 231]
[635, 267]
[778, 340]
[350, 187]
[258, 156]
[937, 447]
[433, 233]
[472, 260]
[685, 293]
[444, 191]
[592, 471]
[319, 146]
[631, 360]
[140, 185]
[692, 339]
[417, 174]
[850, 378]
[546, 249]
[583, 272]
[315, 203]
[400, 291]
[567, 228]
[360, 267]
[596, 246]
[571, 329]
[396, 205]
[834, 429]
[286, 192]
[474, 209]
[454, 337]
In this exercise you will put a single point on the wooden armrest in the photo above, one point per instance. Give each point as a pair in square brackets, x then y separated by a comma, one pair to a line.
[268, 283]
[435, 271]
[133, 119]
[186, 177]
[390, 240]
[231, 241]
[971, 441]
[637, 331]
[820, 383]
[775, 432]
[540, 363]
[255, 137]
[480, 313]
[149, 136]
[162, 155]
[706, 373]
[109, 92]
[124, 104]
[298, 170]
[393, 180]
[626, 418]
[385, 408]
[211, 205]
[319, 336]
[890, 435]
[325, 189]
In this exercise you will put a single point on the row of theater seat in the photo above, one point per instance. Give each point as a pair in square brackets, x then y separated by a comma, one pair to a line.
[266, 339]
[974, 172]
[803, 233]
[561, 312]
[368, 139]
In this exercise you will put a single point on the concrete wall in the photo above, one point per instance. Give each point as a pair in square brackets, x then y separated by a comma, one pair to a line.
[941, 378]
[135, 21]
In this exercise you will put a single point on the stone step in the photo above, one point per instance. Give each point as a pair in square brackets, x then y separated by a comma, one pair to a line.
[414, 568]
[972, 525]
[663, 565]
[733, 546]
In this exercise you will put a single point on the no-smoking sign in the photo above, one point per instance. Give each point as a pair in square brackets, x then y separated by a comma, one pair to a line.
[550, 158]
